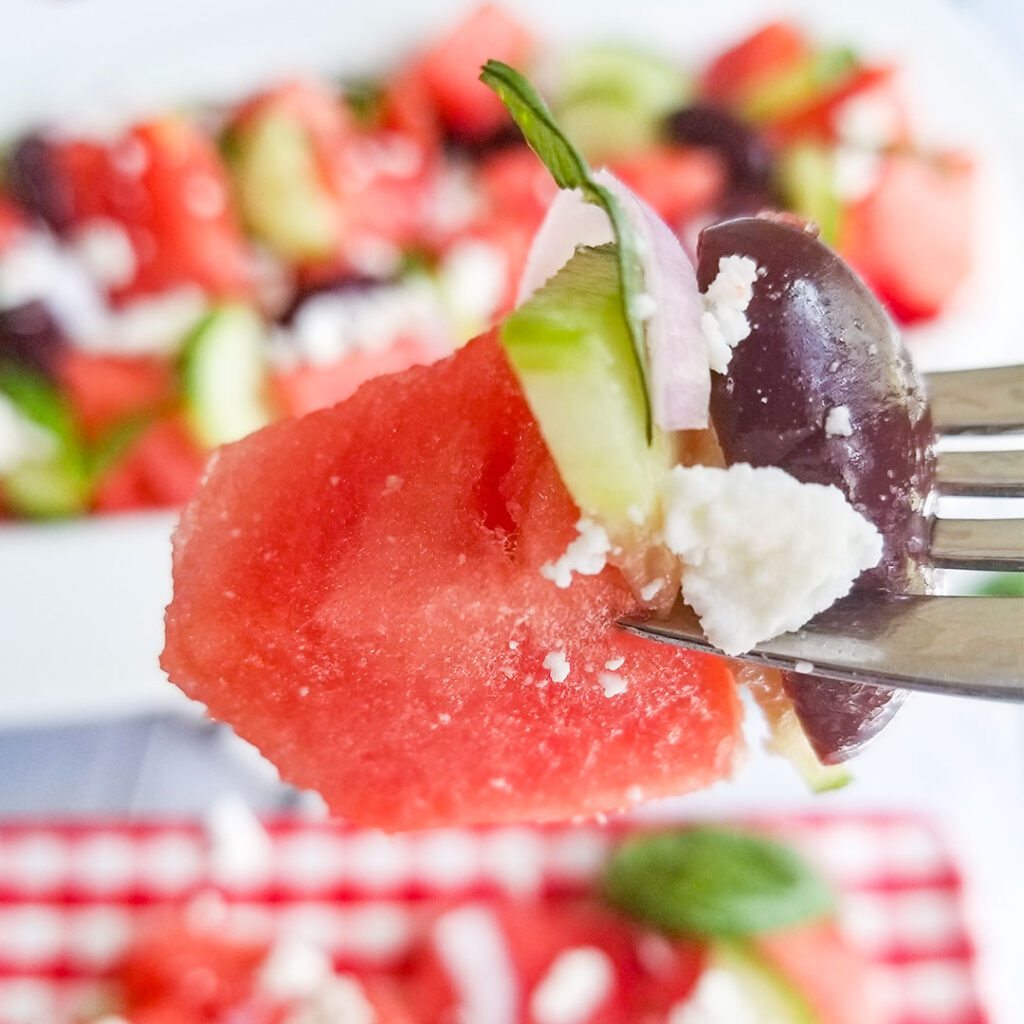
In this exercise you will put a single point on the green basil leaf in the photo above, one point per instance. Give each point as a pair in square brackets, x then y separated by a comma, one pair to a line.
[569, 169]
[714, 882]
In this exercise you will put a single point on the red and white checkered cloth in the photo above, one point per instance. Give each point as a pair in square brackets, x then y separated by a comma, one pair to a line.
[71, 896]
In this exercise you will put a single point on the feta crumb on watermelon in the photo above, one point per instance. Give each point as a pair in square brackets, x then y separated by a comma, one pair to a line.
[612, 683]
[557, 665]
[586, 555]
[762, 553]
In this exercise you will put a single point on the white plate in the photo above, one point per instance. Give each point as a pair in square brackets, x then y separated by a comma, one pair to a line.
[81, 604]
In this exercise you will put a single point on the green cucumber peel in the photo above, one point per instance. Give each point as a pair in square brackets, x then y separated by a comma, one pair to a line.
[714, 882]
[567, 166]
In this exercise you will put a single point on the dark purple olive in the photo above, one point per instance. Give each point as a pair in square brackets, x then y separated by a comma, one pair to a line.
[747, 157]
[35, 182]
[30, 337]
[340, 285]
[820, 341]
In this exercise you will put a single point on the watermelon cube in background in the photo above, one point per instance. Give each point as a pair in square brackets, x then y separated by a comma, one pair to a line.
[105, 390]
[320, 189]
[740, 71]
[911, 236]
[158, 466]
[450, 71]
[163, 184]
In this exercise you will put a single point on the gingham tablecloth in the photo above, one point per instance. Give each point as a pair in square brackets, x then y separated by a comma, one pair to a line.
[71, 896]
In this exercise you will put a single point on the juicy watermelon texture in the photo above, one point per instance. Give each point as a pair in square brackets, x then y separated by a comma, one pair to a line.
[358, 593]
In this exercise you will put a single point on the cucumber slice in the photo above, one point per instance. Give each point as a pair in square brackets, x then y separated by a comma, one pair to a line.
[45, 490]
[281, 196]
[572, 353]
[807, 178]
[224, 376]
[613, 99]
[772, 997]
[53, 483]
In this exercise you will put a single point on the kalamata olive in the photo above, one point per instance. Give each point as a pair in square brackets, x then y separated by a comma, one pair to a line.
[339, 284]
[35, 182]
[30, 337]
[824, 389]
[746, 155]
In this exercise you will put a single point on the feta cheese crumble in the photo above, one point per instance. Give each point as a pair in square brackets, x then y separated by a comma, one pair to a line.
[576, 984]
[342, 998]
[587, 555]
[724, 320]
[615, 664]
[557, 665]
[838, 422]
[106, 252]
[612, 684]
[762, 553]
[294, 970]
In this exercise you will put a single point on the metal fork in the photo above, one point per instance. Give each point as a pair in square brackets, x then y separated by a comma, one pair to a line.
[972, 646]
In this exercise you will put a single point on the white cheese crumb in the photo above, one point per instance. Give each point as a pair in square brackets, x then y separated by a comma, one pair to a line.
[331, 325]
[106, 252]
[21, 439]
[575, 986]
[762, 553]
[587, 555]
[803, 667]
[724, 320]
[557, 665]
[718, 999]
[470, 945]
[857, 171]
[294, 970]
[473, 276]
[614, 664]
[156, 324]
[838, 422]
[650, 590]
[341, 998]
[612, 684]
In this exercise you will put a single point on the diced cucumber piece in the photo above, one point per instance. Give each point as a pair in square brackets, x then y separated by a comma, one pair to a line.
[613, 99]
[807, 178]
[224, 376]
[53, 481]
[572, 353]
[282, 198]
[773, 997]
[45, 490]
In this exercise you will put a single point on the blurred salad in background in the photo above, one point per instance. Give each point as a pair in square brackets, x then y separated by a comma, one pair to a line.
[173, 284]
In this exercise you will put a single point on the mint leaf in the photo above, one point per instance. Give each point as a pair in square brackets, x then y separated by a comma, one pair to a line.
[713, 882]
[570, 170]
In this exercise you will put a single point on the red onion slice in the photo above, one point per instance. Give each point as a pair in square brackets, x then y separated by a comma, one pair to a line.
[678, 375]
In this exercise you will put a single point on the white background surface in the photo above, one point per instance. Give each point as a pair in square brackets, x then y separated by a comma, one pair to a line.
[80, 606]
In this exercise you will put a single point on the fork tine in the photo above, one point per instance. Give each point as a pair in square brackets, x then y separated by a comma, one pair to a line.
[993, 544]
[998, 474]
[970, 646]
[989, 401]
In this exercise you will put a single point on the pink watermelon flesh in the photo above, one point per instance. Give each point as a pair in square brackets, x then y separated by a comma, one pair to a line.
[359, 594]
